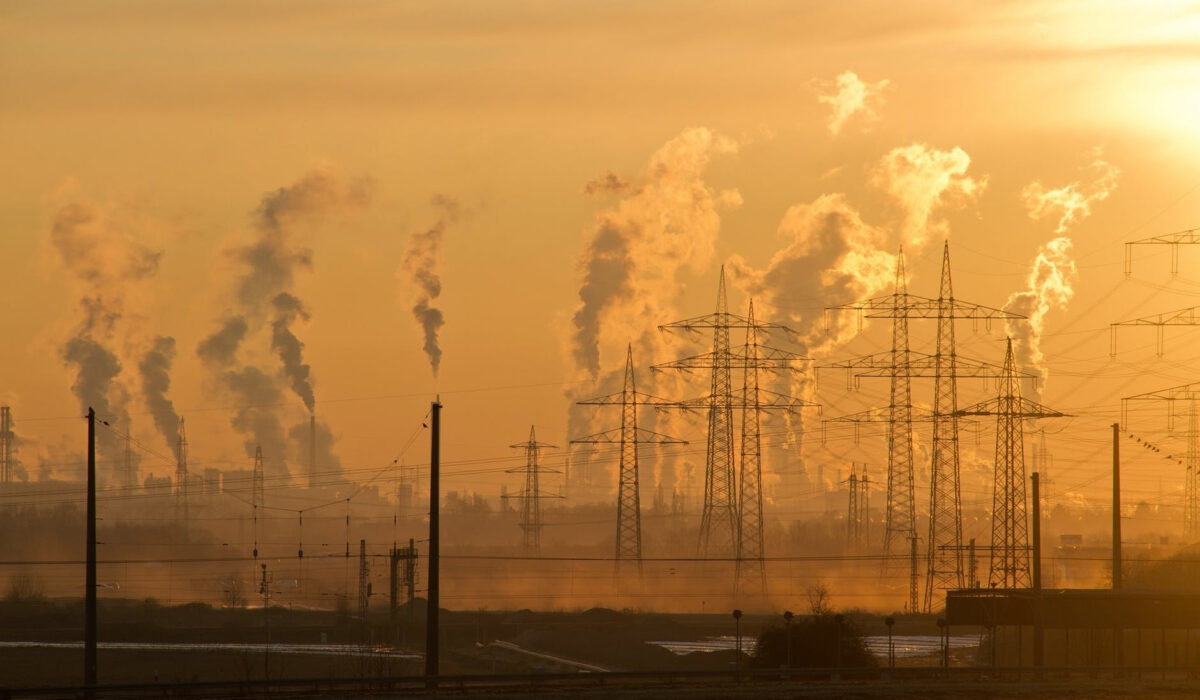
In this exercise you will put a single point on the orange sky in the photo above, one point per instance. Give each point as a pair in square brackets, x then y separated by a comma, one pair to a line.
[170, 123]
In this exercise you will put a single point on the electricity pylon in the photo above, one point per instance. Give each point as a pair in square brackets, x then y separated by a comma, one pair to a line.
[719, 519]
[1180, 317]
[752, 400]
[628, 436]
[181, 474]
[1190, 237]
[257, 480]
[1189, 393]
[531, 495]
[944, 563]
[1010, 521]
[858, 523]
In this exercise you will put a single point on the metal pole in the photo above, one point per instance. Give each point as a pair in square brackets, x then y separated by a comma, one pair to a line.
[1038, 629]
[431, 611]
[891, 647]
[1118, 631]
[737, 634]
[787, 616]
[89, 606]
[837, 643]
[1116, 506]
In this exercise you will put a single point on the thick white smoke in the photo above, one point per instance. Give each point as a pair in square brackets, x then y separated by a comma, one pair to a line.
[669, 221]
[1050, 285]
[923, 179]
[847, 96]
[1051, 280]
[831, 255]
[1072, 202]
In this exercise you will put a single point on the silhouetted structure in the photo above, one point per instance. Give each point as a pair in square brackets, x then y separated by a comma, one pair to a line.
[7, 445]
[181, 474]
[629, 436]
[944, 562]
[1010, 520]
[531, 496]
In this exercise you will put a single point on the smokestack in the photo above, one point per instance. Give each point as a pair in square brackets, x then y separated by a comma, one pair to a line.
[312, 450]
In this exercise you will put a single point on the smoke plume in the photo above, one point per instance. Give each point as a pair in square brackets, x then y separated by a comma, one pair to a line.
[923, 179]
[847, 96]
[289, 348]
[106, 263]
[421, 262]
[668, 221]
[1051, 279]
[328, 463]
[155, 369]
[267, 308]
[1048, 286]
[1071, 202]
[831, 255]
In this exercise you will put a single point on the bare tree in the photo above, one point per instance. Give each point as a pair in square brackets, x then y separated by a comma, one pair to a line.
[818, 599]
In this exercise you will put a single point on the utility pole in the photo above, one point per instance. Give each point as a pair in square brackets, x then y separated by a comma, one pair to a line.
[1116, 506]
[1038, 626]
[628, 437]
[431, 611]
[1118, 631]
[364, 588]
[89, 605]
[264, 589]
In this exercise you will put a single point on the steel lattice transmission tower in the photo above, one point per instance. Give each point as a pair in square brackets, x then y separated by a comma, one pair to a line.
[750, 566]
[1189, 393]
[1010, 521]
[628, 437]
[858, 523]
[752, 400]
[531, 495]
[944, 564]
[718, 520]
[257, 481]
[7, 444]
[181, 474]
[900, 518]
[945, 560]
[1190, 237]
